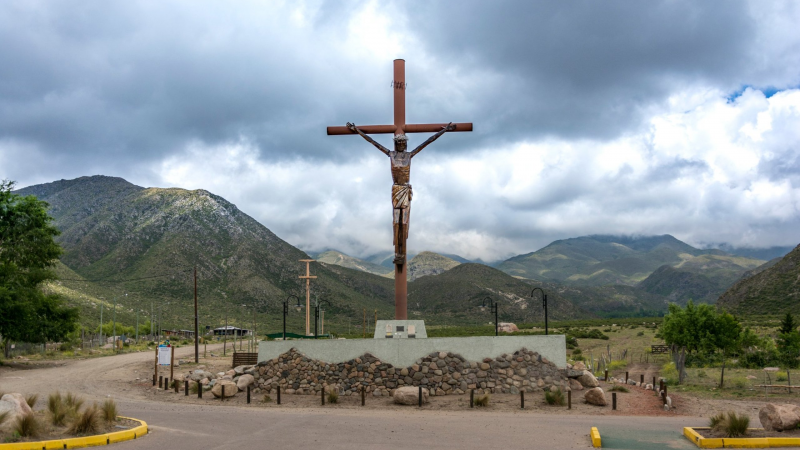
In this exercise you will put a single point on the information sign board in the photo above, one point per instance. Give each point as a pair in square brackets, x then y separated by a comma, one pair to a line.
[164, 355]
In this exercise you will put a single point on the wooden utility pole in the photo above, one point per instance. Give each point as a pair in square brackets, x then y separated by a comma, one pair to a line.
[196, 322]
[308, 278]
[364, 324]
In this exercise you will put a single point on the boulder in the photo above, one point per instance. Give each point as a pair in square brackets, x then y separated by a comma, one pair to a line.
[16, 406]
[241, 369]
[409, 395]
[230, 388]
[588, 380]
[595, 396]
[579, 366]
[244, 381]
[777, 417]
[572, 373]
[575, 385]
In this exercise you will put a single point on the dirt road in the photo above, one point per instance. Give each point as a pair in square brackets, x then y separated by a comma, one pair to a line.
[187, 425]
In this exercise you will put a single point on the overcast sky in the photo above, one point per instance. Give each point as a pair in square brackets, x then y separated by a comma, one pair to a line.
[677, 117]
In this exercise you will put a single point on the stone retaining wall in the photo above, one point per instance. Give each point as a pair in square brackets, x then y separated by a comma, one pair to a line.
[442, 373]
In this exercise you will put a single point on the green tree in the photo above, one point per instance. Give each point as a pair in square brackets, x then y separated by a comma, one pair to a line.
[788, 342]
[28, 253]
[726, 338]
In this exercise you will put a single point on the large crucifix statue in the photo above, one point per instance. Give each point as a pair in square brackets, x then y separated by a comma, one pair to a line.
[400, 159]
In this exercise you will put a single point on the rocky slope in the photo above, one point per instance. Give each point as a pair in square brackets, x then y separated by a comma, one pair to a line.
[429, 263]
[341, 259]
[773, 291]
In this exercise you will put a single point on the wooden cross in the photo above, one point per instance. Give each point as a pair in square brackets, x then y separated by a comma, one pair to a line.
[400, 128]
[308, 278]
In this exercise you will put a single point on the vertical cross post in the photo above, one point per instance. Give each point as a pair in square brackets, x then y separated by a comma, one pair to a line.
[308, 278]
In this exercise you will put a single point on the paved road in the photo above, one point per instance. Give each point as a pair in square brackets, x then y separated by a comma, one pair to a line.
[197, 426]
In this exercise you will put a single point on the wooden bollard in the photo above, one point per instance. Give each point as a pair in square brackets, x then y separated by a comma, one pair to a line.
[420, 396]
[363, 396]
[605, 376]
[641, 379]
[248, 394]
[472, 398]
[614, 400]
[569, 399]
[626, 377]
[323, 396]
[222, 397]
[175, 385]
[665, 393]
[166, 383]
[199, 390]
[185, 388]
[278, 389]
[154, 379]
[160, 381]
[654, 383]
[521, 399]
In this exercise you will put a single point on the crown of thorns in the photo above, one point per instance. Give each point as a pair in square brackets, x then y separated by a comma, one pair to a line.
[401, 137]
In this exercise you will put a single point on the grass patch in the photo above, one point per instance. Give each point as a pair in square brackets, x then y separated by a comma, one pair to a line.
[193, 386]
[86, 422]
[31, 400]
[616, 365]
[554, 397]
[73, 402]
[333, 396]
[27, 425]
[730, 423]
[482, 400]
[619, 388]
[58, 410]
[266, 399]
[109, 410]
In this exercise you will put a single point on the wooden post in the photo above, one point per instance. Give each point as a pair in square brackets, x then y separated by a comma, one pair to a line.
[569, 400]
[155, 367]
[222, 397]
[521, 399]
[605, 377]
[472, 398]
[171, 362]
[614, 401]
[789, 381]
[626, 377]
[323, 396]
[279, 394]
[641, 379]
[363, 397]
[185, 388]
[248, 394]
[420, 396]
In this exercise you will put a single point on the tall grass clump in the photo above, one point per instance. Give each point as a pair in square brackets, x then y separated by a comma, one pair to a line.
[333, 396]
[31, 400]
[27, 425]
[554, 397]
[86, 422]
[4, 416]
[73, 402]
[58, 410]
[109, 410]
[482, 400]
[619, 388]
[730, 423]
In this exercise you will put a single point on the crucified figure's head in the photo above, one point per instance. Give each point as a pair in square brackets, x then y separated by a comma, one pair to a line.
[400, 143]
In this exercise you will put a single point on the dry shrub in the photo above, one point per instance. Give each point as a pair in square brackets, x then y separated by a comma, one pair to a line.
[554, 397]
[73, 402]
[4, 416]
[193, 386]
[86, 422]
[333, 396]
[482, 400]
[266, 398]
[109, 410]
[58, 410]
[27, 425]
[619, 388]
[31, 400]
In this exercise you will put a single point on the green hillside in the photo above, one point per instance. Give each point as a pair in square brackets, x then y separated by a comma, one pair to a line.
[772, 291]
[678, 286]
[620, 260]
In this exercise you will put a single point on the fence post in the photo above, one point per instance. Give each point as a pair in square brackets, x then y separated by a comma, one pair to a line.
[614, 400]
[641, 379]
[363, 397]
[605, 377]
[279, 393]
[420, 396]
[248, 394]
[323, 395]
[569, 400]
[222, 397]
[185, 388]
[626, 377]
[472, 398]
[160, 381]
[522, 399]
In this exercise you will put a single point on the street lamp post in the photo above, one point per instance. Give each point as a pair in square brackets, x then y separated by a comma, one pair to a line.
[316, 314]
[544, 304]
[114, 332]
[492, 308]
[298, 306]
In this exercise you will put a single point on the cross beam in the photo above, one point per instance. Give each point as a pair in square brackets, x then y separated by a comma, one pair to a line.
[400, 158]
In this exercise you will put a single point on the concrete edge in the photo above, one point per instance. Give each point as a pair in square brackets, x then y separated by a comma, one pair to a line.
[770, 442]
[86, 441]
[595, 435]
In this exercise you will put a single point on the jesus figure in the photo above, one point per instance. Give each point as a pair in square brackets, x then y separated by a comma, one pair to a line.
[401, 188]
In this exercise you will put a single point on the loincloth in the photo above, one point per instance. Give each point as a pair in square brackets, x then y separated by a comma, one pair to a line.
[401, 196]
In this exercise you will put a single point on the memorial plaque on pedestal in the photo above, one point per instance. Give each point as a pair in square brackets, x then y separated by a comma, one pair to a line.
[400, 329]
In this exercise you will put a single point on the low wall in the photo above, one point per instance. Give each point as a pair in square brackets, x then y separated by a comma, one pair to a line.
[405, 352]
[442, 373]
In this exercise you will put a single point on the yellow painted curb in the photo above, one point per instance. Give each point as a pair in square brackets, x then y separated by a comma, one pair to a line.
[80, 442]
[770, 442]
[595, 438]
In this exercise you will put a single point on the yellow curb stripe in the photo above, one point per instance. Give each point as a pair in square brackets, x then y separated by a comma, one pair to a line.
[596, 442]
[770, 442]
[80, 442]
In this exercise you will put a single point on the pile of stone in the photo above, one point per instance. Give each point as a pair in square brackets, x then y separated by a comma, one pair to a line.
[234, 380]
[439, 373]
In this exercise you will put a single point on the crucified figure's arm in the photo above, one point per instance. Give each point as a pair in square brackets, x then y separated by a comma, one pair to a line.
[449, 127]
[355, 129]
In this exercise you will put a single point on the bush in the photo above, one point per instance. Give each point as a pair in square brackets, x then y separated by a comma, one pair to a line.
[73, 402]
[109, 410]
[641, 333]
[732, 424]
[576, 352]
[482, 400]
[193, 386]
[669, 373]
[333, 396]
[266, 398]
[702, 374]
[781, 376]
[31, 400]
[616, 365]
[58, 410]
[87, 422]
[554, 397]
[619, 388]
[27, 425]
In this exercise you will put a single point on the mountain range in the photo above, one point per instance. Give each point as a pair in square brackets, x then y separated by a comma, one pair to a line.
[121, 239]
